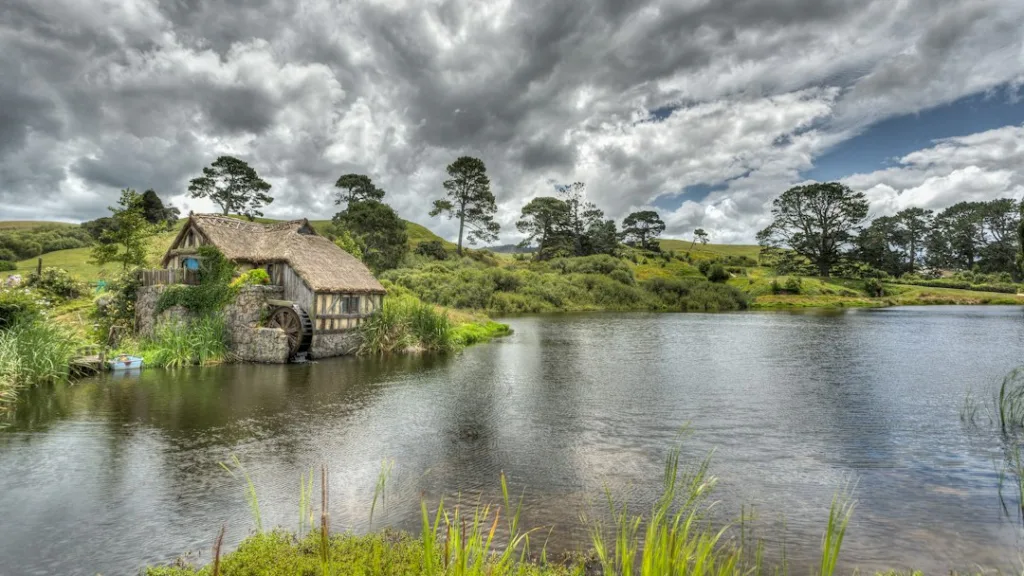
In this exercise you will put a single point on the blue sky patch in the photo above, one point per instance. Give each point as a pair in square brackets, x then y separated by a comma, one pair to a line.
[882, 144]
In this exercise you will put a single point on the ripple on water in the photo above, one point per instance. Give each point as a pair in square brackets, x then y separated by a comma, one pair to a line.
[112, 474]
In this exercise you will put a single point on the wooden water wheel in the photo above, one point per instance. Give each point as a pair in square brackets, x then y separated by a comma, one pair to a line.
[296, 325]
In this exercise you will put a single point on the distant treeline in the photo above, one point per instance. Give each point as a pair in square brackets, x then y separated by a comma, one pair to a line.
[25, 243]
[978, 236]
[822, 228]
[21, 244]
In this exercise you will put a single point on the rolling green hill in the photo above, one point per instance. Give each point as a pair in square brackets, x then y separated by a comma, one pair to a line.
[751, 250]
[755, 281]
[76, 260]
[29, 224]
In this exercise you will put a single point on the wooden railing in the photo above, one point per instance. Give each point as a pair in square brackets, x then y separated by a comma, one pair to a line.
[169, 276]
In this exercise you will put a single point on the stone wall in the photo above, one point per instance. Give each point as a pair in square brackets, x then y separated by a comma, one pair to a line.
[246, 340]
[339, 344]
[249, 342]
[145, 309]
[264, 345]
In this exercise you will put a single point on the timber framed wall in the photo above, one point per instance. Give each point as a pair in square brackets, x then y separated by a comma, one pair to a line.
[341, 311]
[295, 288]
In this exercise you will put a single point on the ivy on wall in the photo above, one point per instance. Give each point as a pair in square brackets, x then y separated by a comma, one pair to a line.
[212, 293]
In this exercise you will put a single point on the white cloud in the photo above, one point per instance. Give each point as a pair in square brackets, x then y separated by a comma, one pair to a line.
[976, 167]
[100, 94]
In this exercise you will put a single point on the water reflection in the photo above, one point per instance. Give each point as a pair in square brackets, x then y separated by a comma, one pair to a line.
[112, 473]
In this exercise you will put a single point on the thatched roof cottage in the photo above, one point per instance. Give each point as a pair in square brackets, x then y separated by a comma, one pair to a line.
[327, 291]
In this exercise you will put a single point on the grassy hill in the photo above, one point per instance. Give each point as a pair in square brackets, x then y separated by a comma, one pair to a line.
[76, 260]
[754, 281]
[29, 224]
[751, 250]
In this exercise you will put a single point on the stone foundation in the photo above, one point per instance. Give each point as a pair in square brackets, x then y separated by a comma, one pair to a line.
[340, 344]
[246, 340]
[263, 345]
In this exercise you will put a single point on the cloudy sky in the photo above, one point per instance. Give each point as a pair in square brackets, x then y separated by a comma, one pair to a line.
[703, 109]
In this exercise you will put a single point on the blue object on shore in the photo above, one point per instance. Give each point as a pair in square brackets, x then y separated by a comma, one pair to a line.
[125, 362]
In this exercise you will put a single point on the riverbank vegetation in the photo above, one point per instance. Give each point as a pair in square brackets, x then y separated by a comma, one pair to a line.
[676, 537]
[405, 323]
[572, 258]
[34, 347]
[201, 341]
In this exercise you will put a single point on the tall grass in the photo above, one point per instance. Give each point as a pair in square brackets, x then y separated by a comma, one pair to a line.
[676, 538]
[1012, 467]
[380, 490]
[1010, 402]
[838, 518]
[305, 502]
[34, 352]
[250, 489]
[177, 344]
[468, 546]
[404, 322]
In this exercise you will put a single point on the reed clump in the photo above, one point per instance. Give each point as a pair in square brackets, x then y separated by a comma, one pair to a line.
[676, 539]
[34, 352]
[175, 344]
[405, 323]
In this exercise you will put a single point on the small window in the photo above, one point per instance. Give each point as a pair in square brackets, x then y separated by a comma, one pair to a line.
[350, 305]
[190, 263]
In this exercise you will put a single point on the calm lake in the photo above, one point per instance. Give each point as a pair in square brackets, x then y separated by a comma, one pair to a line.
[114, 473]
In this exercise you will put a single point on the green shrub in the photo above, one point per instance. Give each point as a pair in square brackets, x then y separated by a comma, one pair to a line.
[961, 284]
[346, 241]
[597, 264]
[484, 257]
[504, 281]
[695, 295]
[176, 344]
[623, 276]
[34, 352]
[254, 277]
[512, 303]
[213, 291]
[874, 287]
[717, 273]
[18, 305]
[20, 244]
[57, 282]
[115, 309]
[7, 266]
[793, 285]
[432, 249]
[468, 334]
[405, 322]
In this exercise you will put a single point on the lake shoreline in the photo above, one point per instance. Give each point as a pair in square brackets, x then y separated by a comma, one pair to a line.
[800, 403]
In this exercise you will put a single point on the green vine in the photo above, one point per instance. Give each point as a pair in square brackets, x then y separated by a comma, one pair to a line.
[213, 291]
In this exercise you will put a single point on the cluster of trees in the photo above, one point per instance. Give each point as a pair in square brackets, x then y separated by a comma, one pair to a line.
[368, 227]
[982, 236]
[21, 244]
[827, 223]
[567, 224]
[124, 238]
[151, 208]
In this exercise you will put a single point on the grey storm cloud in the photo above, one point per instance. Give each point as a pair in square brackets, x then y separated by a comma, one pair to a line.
[95, 96]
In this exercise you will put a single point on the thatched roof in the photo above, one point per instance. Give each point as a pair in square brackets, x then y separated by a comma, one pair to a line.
[317, 260]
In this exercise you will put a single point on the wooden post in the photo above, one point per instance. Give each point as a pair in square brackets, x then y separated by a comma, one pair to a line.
[39, 267]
